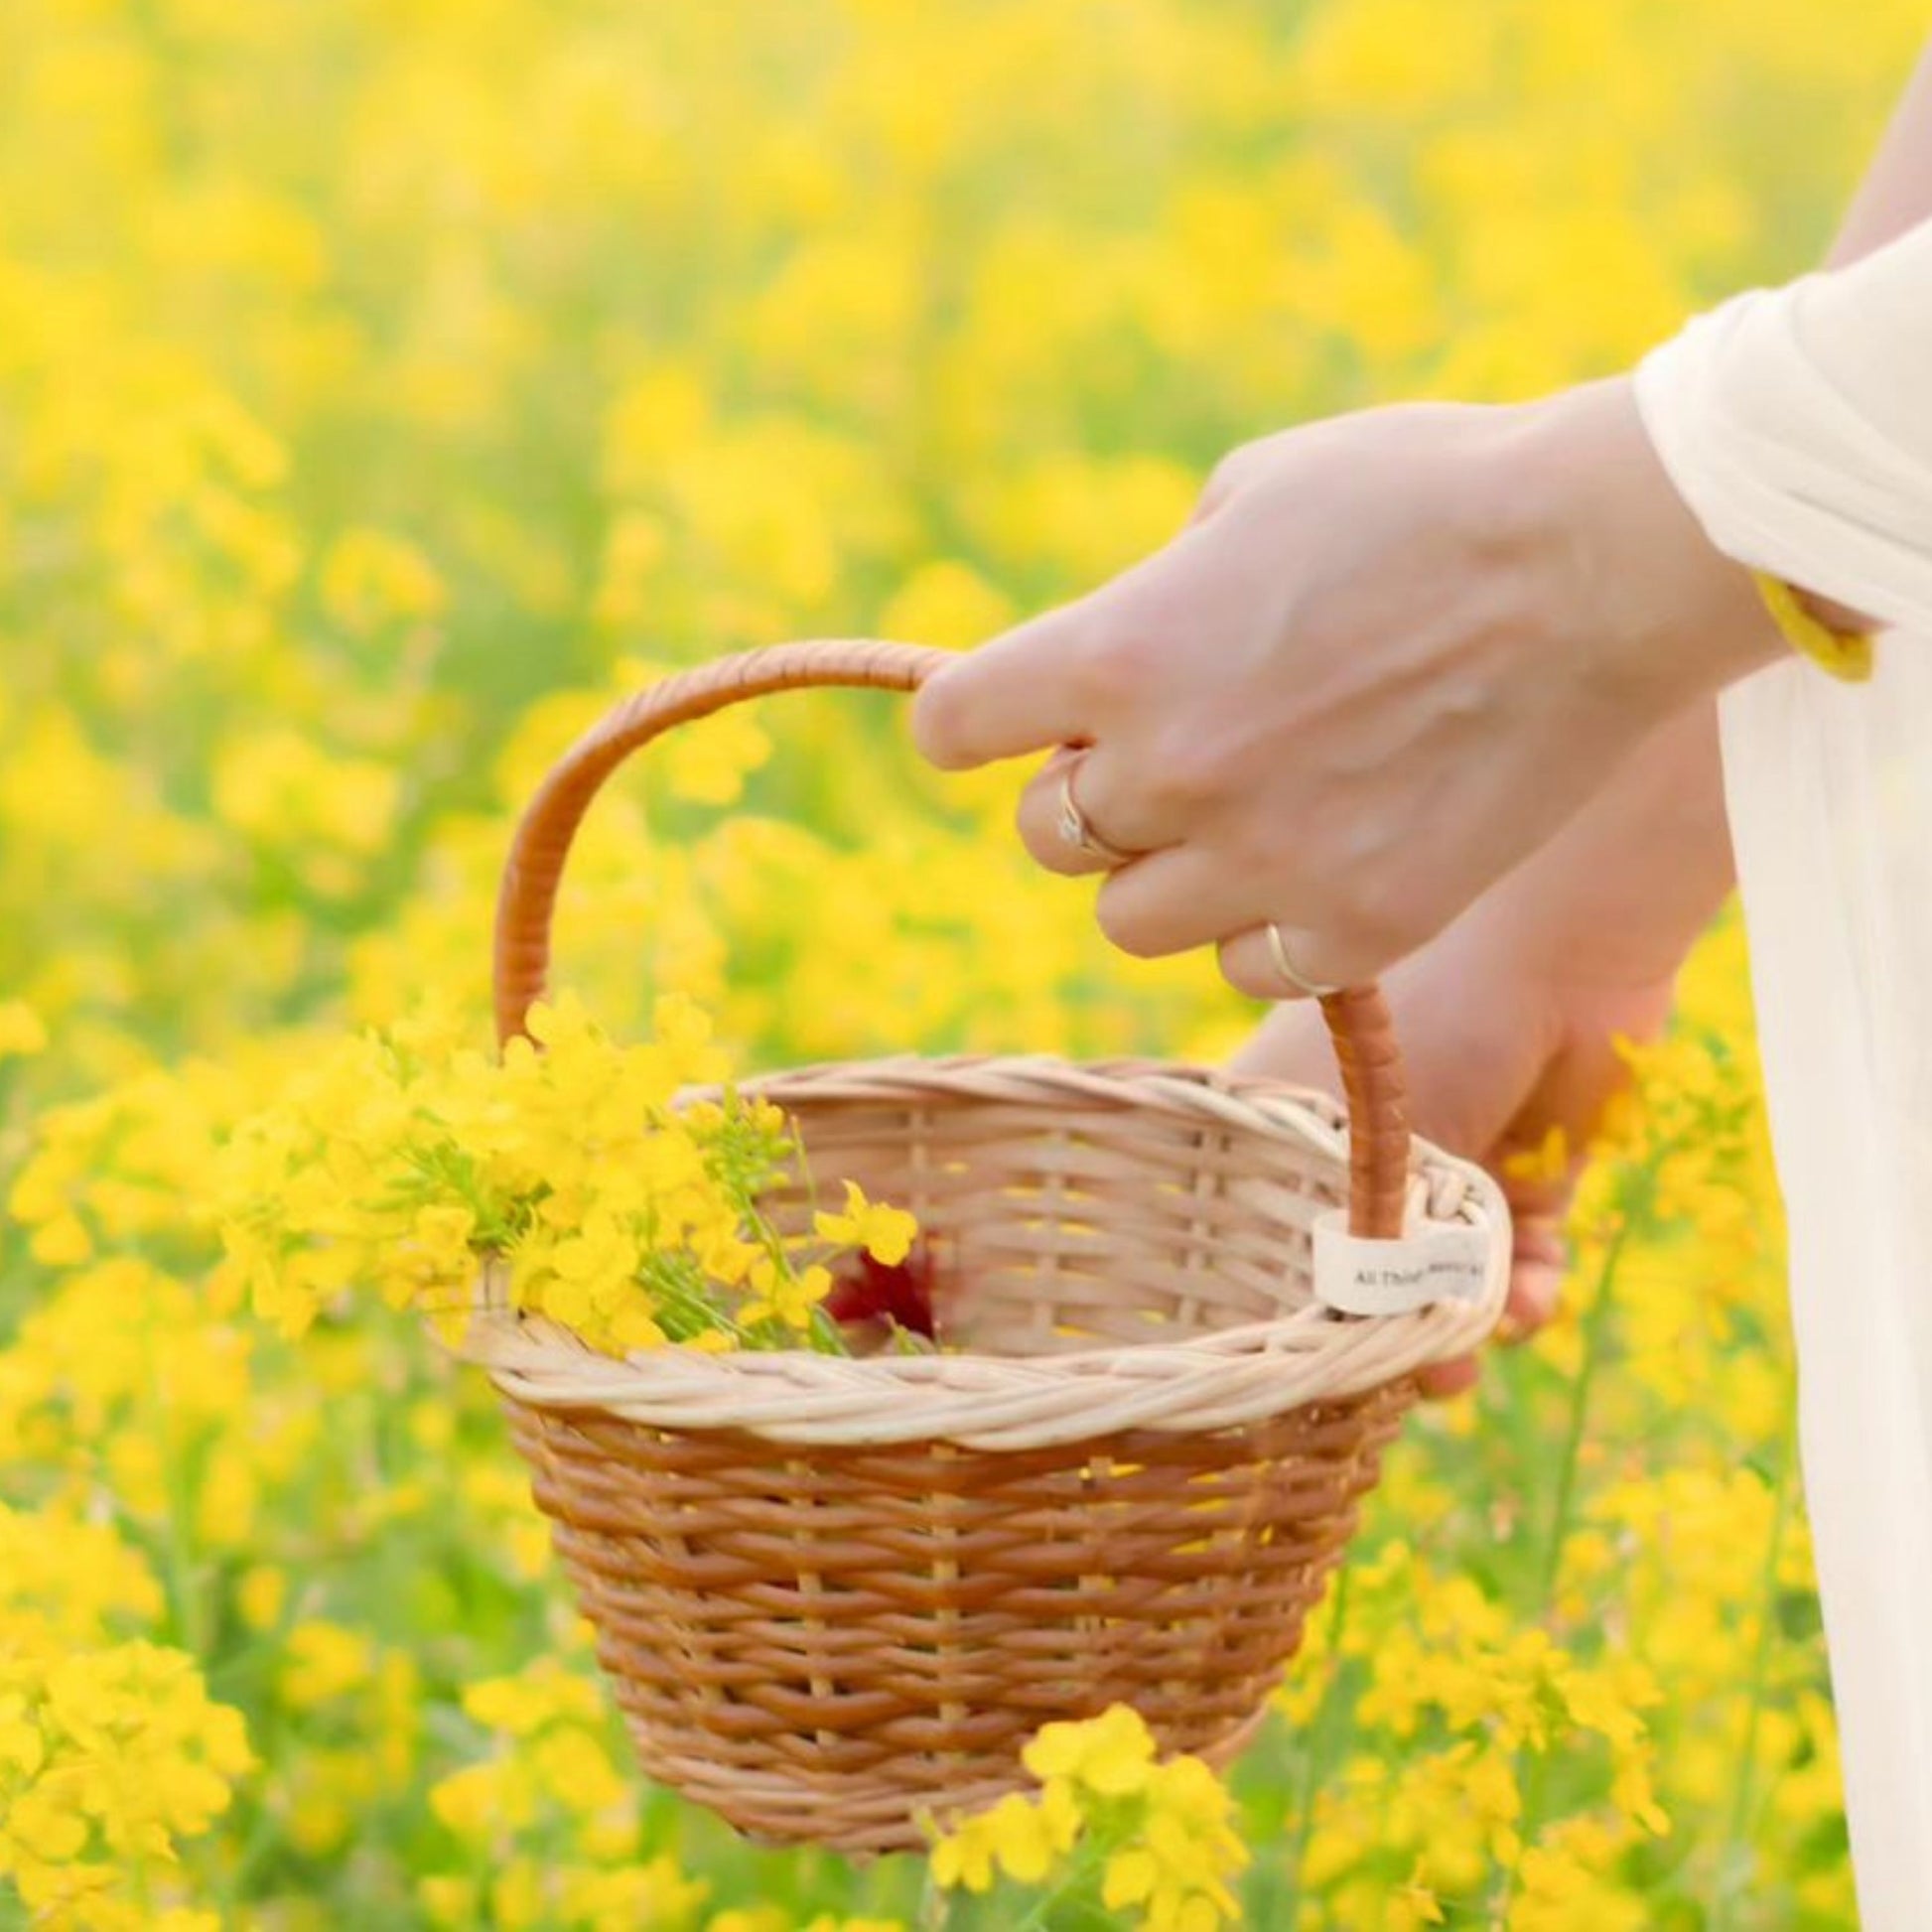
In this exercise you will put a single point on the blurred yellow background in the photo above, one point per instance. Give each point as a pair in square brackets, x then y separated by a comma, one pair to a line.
[384, 385]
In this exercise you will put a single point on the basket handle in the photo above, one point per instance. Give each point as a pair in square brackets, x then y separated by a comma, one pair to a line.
[1357, 1016]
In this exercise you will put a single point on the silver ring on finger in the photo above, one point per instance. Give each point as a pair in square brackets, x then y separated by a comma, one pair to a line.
[1289, 973]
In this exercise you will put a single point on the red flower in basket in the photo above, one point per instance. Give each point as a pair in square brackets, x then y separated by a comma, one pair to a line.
[889, 1276]
[899, 1292]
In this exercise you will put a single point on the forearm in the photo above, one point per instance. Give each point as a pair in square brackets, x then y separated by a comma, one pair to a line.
[1896, 191]
[1623, 890]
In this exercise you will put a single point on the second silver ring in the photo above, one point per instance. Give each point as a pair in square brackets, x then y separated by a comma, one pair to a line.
[1290, 972]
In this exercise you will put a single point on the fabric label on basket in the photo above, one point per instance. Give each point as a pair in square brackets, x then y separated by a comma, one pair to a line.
[1441, 1261]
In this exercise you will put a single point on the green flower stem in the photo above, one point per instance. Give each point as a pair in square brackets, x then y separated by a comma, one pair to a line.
[1315, 1760]
[1745, 1791]
[1595, 1331]
[1532, 1773]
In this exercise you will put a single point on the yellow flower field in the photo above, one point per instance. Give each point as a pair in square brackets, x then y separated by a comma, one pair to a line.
[388, 384]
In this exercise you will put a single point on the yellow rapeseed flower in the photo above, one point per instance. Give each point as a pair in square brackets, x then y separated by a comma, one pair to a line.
[22, 1029]
[885, 1233]
[1111, 1756]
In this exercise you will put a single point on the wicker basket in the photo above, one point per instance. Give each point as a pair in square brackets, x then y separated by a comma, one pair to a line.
[836, 1594]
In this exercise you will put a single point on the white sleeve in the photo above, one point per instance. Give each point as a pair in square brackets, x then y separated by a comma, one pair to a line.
[1797, 424]
[1798, 427]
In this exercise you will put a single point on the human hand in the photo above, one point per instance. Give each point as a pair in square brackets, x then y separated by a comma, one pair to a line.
[1496, 1059]
[1509, 1021]
[1390, 656]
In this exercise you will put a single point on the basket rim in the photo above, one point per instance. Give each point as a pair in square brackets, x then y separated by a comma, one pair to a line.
[1213, 1380]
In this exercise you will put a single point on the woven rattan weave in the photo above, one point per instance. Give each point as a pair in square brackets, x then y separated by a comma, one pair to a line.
[836, 1594]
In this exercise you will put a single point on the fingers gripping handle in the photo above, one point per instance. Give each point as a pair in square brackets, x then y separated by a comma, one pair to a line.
[1357, 1018]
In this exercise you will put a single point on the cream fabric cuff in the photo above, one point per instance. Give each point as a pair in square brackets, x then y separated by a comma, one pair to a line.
[1797, 425]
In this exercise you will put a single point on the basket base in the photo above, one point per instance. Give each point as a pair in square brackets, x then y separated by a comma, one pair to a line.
[836, 1646]
[870, 1821]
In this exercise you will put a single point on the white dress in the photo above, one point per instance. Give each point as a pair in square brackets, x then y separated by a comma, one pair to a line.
[1797, 424]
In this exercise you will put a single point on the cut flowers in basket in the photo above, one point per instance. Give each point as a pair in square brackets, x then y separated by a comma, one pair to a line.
[410, 1160]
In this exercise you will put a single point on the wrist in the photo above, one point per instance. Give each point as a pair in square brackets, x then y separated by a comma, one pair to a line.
[1660, 615]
